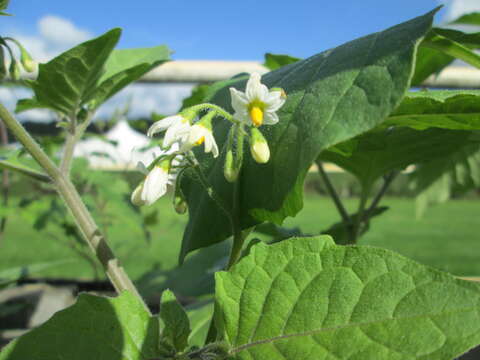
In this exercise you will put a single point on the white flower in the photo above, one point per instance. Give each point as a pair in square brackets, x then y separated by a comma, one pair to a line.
[153, 187]
[257, 105]
[199, 134]
[177, 129]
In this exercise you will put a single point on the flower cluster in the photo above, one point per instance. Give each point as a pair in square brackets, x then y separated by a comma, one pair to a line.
[253, 108]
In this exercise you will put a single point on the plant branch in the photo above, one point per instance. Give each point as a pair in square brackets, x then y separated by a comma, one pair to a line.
[5, 178]
[386, 183]
[74, 134]
[87, 226]
[360, 213]
[333, 194]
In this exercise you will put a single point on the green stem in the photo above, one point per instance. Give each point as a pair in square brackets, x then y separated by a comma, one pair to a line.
[74, 134]
[360, 214]
[333, 194]
[5, 177]
[219, 110]
[83, 219]
[386, 183]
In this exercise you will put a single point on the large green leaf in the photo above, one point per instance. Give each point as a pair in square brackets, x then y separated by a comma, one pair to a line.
[200, 318]
[305, 298]
[448, 109]
[332, 96]
[126, 66]
[67, 81]
[94, 328]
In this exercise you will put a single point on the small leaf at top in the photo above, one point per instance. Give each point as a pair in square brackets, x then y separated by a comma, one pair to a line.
[66, 82]
[276, 61]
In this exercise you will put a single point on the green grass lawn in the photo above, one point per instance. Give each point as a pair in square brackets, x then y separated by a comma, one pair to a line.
[446, 238]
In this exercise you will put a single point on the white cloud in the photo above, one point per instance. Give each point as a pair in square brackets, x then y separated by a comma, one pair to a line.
[455, 8]
[61, 32]
[55, 35]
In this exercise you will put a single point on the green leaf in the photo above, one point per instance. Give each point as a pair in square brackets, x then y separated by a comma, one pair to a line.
[3, 6]
[200, 318]
[447, 109]
[434, 181]
[332, 96]
[447, 42]
[429, 61]
[468, 19]
[305, 298]
[276, 61]
[198, 96]
[66, 82]
[93, 328]
[124, 67]
[432, 61]
[12, 275]
[175, 319]
[29, 104]
[11, 162]
[384, 150]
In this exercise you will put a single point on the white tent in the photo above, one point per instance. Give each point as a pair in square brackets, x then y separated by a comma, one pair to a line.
[124, 155]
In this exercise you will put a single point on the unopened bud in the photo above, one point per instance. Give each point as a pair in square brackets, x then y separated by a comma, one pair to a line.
[229, 171]
[14, 70]
[259, 147]
[180, 205]
[27, 61]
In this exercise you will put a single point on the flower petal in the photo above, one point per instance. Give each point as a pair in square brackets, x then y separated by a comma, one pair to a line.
[255, 89]
[270, 118]
[155, 185]
[163, 124]
[239, 100]
[274, 101]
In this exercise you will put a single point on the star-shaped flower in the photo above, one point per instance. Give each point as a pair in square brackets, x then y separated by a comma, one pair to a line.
[177, 129]
[257, 105]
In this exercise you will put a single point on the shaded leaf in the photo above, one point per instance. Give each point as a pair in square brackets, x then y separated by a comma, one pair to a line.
[93, 328]
[447, 109]
[176, 323]
[306, 298]
[384, 150]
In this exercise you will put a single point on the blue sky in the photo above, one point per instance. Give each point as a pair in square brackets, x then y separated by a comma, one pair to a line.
[203, 30]
[227, 30]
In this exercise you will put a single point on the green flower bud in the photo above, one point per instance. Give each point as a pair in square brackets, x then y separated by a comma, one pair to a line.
[14, 70]
[229, 171]
[27, 61]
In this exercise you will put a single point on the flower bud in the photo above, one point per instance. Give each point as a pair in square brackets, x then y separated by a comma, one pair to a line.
[259, 147]
[229, 171]
[27, 62]
[136, 197]
[14, 70]
[180, 205]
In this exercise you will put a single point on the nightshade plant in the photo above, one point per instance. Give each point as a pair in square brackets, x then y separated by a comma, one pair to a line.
[302, 297]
